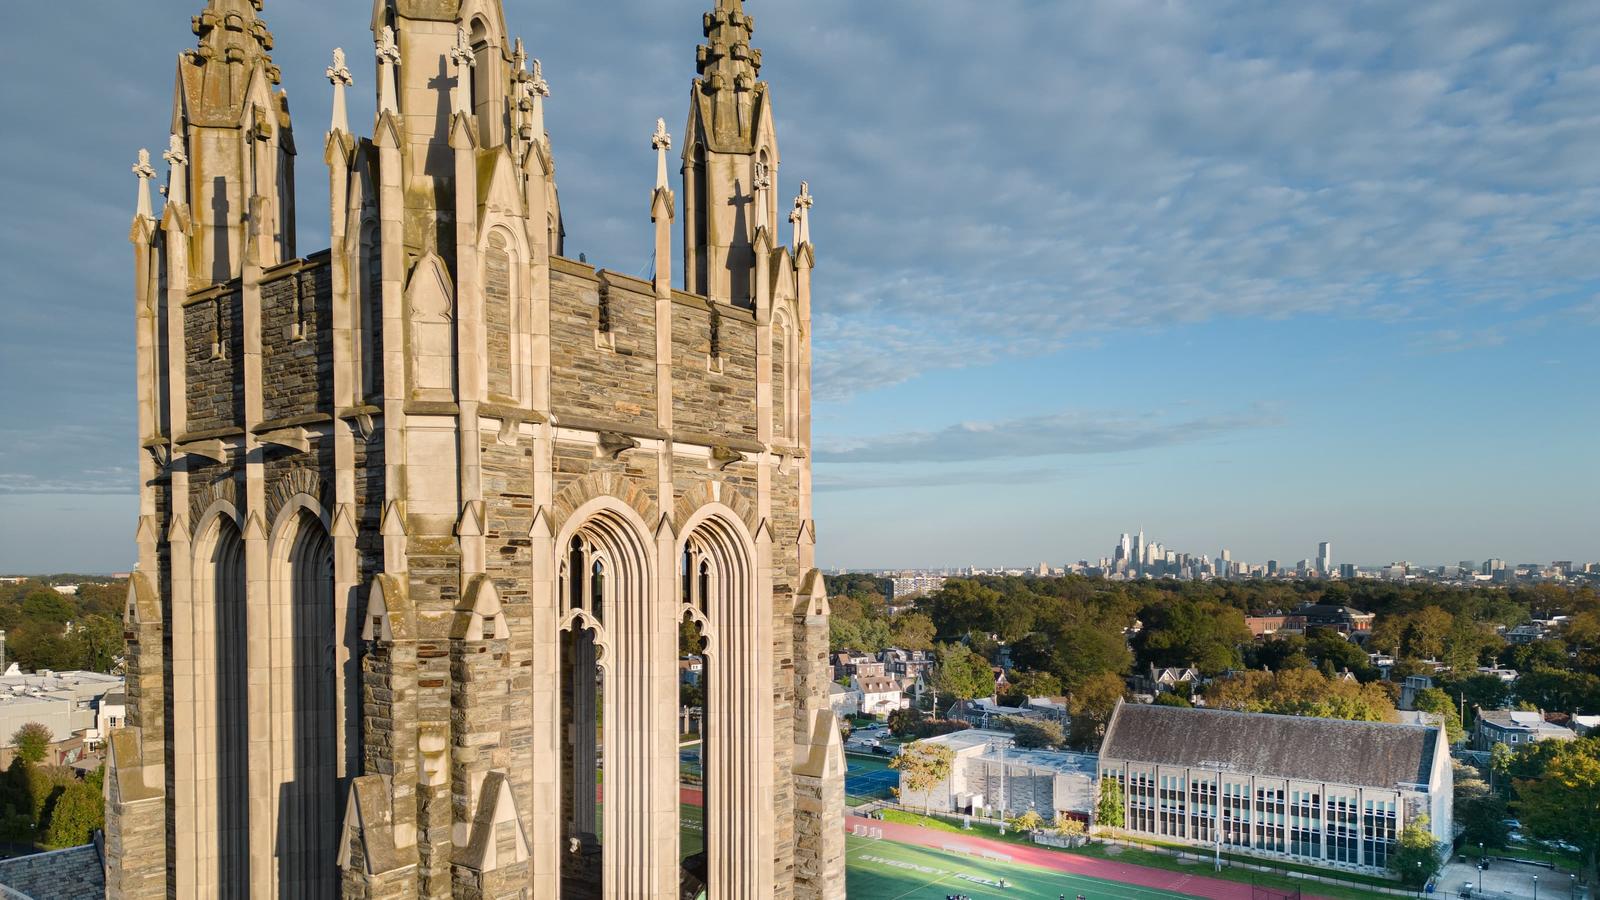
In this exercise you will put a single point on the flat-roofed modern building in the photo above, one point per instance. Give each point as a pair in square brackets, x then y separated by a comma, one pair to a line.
[1331, 791]
[991, 775]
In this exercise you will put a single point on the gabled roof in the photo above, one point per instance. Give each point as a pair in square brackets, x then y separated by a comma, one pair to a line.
[1372, 754]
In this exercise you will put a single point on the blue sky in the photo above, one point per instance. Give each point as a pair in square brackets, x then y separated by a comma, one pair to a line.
[1245, 274]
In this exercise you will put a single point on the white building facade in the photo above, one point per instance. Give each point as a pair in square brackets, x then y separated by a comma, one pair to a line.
[1322, 791]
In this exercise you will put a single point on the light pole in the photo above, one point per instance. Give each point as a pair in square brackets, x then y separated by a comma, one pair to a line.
[1480, 878]
[1419, 880]
[1535, 887]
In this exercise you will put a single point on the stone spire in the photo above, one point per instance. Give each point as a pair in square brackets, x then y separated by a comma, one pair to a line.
[661, 142]
[801, 216]
[729, 69]
[144, 172]
[177, 158]
[233, 42]
[388, 52]
[339, 76]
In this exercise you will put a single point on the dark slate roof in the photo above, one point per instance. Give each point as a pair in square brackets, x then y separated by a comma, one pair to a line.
[74, 874]
[1370, 754]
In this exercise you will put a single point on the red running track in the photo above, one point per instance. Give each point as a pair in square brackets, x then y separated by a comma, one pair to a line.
[1070, 863]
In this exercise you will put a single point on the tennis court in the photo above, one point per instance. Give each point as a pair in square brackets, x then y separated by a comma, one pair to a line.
[869, 777]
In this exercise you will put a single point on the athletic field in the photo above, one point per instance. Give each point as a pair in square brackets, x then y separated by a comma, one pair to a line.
[883, 870]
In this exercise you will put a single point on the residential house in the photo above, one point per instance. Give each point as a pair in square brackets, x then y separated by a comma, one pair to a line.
[1352, 623]
[1515, 728]
[846, 701]
[880, 695]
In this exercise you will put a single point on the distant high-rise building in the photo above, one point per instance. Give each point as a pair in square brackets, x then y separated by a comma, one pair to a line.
[1272, 567]
[1347, 571]
[1325, 557]
[1140, 553]
[1125, 548]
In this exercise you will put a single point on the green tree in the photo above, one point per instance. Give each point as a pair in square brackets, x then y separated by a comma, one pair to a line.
[962, 674]
[911, 631]
[74, 817]
[1437, 702]
[1564, 802]
[1109, 811]
[923, 767]
[1480, 812]
[1425, 633]
[49, 606]
[1084, 651]
[1035, 684]
[100, 642]
[1417, 856]
[32, 741]
[1034, 734]
[1091, 705]
[1168, 698]
[1029, 821]
[1069, 827]
[903, 722]
[1203, 634]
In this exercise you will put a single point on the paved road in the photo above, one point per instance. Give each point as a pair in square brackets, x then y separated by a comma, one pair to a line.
[1110, 870]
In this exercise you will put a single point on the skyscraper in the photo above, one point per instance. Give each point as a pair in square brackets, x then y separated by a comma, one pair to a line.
[1325, 558]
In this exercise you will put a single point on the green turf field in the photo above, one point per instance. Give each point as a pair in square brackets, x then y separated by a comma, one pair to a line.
[881, 870]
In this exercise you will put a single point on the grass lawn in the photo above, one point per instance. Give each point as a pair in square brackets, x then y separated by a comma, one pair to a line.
[1567, 862]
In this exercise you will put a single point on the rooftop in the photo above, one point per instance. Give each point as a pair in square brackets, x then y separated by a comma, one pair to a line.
[1372, 754]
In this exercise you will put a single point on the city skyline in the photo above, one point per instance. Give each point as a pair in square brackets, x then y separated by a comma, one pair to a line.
[1278, 271]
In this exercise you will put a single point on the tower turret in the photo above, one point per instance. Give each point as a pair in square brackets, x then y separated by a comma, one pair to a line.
[234, 126]
[730, 160]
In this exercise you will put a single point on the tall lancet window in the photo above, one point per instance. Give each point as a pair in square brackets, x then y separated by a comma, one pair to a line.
[228, 767]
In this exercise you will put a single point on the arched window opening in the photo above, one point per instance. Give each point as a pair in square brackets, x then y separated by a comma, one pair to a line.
[231, 711]
[307, 842]
[695, 712]
[597, 589]
[705, 586]
[575, 569]
[484, 79]
[368, 294]
[582, 735]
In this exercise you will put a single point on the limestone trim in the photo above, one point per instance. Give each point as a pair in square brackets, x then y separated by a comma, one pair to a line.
[718, 553]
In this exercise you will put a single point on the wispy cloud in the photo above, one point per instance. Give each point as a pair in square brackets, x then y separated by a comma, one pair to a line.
[1454, 340]
[1062, 434]
[831, 481]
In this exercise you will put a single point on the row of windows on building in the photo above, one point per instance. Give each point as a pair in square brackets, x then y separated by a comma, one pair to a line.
[1301, 823]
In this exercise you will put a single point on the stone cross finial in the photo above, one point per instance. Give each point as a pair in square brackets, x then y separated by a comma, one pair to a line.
[661, 142]
[175, 155]
[539, 85]
[801, 215]
[339, 73]
[339, 77]
[388, 50]
[388, 57]
[461, 53]
[143, 170]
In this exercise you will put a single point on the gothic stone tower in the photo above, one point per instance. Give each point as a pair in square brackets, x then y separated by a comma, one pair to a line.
[425, 518]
